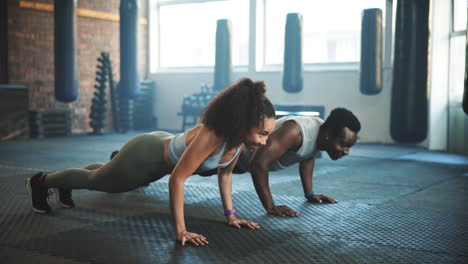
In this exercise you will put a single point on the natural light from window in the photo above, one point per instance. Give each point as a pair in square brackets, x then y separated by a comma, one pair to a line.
[460, 8]
[331, 29]
[188, 32]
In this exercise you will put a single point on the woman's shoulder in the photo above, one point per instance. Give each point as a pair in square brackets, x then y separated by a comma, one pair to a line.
[202, 132]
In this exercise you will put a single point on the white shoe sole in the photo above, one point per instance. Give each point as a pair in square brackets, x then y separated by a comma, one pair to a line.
[28, 189]
[57, 198]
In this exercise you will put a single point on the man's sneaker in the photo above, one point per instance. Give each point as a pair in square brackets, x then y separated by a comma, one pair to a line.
[38, 194]
[64, 198]
[113, 154]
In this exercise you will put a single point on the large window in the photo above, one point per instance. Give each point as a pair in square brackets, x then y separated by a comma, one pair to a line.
[459, 14]
[457, 51]
[457, 68]
[331, 29]
[183, 32]
[187, 31]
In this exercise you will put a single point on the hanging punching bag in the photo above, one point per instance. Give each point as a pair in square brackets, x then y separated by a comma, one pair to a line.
[465, 91]
[371, 52]
[293, 68]
[409, 113]
[223, 61]
[66, 76]
[129, 80]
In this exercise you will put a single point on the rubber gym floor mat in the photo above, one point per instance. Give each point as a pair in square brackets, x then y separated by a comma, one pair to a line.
[10, 255]
[312, 249]
[379, 225]
[136, 227]
[396, 172]
[331, 233]
[150, 239]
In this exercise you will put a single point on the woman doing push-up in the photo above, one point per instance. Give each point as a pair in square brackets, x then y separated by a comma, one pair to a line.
[239, 116]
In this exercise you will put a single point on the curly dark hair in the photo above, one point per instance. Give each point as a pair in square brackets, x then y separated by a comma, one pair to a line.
[237, 109]
[339, 118]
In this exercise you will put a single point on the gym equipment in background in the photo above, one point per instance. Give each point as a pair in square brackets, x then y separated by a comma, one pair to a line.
[3, 43]
[465, 91]
[192, 105]
[223, 57]
[113, 94]
[98, 105]
[293, 66]
[129, 80]
[66, 76]
[125, 113]
[143, 118]
[409, 104]
[45, 123]
[371, 52]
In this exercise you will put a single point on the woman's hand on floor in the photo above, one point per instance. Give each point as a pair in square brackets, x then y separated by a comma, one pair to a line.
[196, 239]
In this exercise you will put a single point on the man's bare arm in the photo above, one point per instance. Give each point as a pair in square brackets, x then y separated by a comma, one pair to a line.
[306, 170]
[287, 137]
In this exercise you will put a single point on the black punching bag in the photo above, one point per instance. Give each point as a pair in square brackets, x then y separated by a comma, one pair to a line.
[129, 81]
[371, 52]
[409, 113]
[223, 58]
[465, 91]
[293, 68]
[66, 77]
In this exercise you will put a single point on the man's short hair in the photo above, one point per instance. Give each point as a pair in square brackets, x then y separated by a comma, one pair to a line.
[340, 118]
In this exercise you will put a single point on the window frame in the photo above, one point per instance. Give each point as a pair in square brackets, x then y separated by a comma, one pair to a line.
[454, 34]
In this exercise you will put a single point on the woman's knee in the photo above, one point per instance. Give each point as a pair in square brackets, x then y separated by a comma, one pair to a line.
[106, 181]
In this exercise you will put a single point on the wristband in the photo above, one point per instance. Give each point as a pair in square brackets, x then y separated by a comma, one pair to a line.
[307, 194]
[229, 212]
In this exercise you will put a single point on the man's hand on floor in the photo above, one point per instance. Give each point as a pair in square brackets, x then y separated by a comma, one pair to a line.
[318, 198]
[282, 210]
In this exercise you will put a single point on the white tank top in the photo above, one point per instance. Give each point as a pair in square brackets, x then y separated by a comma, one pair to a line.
[309, 127]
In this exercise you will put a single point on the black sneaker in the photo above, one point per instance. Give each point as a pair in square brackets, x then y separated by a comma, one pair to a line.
[64, 198]
[113, 154]
[38, 194]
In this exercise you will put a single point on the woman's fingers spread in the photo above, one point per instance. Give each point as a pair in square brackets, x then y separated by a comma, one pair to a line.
[199, 241]
[204, 240]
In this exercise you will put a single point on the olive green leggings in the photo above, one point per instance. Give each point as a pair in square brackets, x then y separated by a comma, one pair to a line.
[139, 162]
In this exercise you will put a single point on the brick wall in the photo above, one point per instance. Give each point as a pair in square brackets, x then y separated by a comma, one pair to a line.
[31, 54]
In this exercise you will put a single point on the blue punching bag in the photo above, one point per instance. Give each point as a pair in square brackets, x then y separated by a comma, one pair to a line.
[223, 61]
[293, 67]
[129, 81]
[409, 105]
[66, 76]
[371, 52]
